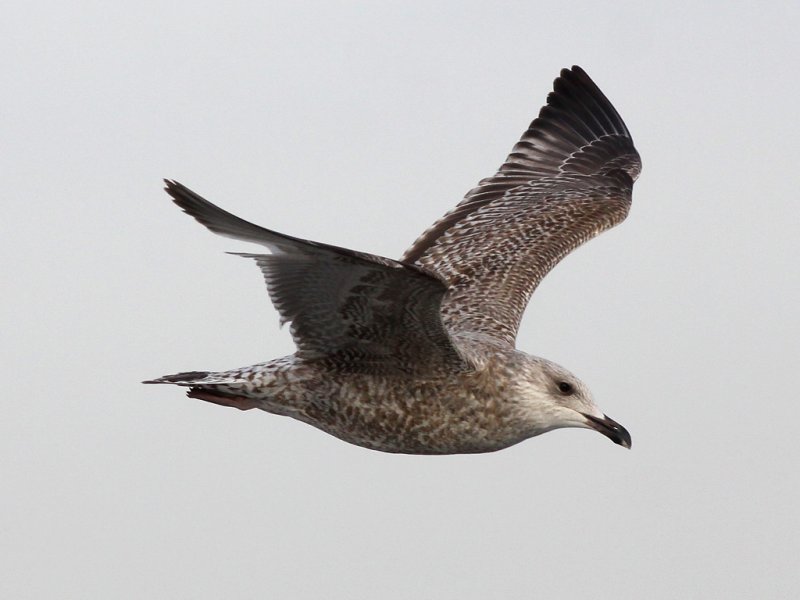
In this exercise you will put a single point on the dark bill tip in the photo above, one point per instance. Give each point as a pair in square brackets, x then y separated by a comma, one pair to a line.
[611, 429]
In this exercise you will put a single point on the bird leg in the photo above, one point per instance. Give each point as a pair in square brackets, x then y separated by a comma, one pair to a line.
[240, 402]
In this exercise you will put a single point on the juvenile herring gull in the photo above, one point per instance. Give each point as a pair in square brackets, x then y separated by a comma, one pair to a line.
[418, 355]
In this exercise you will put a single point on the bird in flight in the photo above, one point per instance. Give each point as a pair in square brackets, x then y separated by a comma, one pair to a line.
[418, 355]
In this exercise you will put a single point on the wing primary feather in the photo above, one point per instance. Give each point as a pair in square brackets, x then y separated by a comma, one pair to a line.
[366, 312]
[567, 179]
[216, 219]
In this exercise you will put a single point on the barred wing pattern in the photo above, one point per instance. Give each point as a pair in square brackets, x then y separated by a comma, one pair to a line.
[364, 313]
[569, 178]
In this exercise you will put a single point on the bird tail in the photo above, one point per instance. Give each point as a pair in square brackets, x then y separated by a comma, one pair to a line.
[186, 378]
[224, 388]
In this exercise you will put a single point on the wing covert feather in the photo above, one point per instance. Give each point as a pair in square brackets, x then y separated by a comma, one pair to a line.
[568, 178]
[367, 313]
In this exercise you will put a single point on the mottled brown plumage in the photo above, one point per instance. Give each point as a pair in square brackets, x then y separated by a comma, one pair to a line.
[418, 355]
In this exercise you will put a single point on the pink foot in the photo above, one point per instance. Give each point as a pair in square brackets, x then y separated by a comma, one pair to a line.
[239, 402]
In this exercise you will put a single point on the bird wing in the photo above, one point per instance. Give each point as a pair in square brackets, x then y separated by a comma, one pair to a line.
[568, 178]
[365, 312]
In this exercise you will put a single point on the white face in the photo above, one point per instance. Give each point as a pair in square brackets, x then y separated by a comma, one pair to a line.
[552, 398]
[545, 383]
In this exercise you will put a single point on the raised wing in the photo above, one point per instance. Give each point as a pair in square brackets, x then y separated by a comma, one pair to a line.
[366, 313]
[568, 178]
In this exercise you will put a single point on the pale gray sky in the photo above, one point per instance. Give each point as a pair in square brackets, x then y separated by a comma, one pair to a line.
[359, 124]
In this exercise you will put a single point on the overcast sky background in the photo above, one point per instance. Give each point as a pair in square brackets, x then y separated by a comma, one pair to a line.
[359, 124]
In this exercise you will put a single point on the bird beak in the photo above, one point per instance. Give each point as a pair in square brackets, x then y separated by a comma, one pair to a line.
[611, 429]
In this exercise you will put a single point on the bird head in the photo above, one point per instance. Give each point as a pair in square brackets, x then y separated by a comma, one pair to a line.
[552, 398]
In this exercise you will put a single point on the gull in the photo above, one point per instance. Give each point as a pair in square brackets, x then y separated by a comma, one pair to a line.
[418, 355]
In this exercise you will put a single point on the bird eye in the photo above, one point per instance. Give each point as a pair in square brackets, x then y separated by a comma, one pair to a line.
[566, 388]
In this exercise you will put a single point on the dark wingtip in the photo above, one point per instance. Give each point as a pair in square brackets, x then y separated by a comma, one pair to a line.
[215, 219]
[171, 186]
[573, 70]
[577, 70]
[180, 194]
